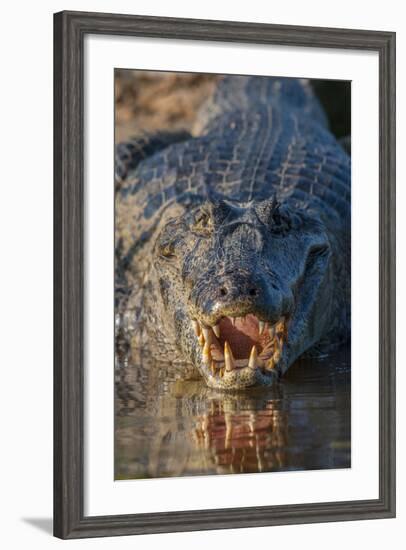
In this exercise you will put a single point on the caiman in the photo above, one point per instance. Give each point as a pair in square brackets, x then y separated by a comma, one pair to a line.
[233, 241]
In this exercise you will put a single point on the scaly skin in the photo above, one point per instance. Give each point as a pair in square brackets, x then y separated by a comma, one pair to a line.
[245, 223]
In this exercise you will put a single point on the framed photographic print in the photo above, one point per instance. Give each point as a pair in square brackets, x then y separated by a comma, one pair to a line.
[224, 274]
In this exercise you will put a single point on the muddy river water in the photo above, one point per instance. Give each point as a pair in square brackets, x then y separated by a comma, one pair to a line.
[169, 427]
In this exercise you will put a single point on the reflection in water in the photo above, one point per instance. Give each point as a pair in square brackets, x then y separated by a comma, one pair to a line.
[170, 427]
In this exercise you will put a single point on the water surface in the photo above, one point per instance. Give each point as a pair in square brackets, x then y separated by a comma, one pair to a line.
[166, 426]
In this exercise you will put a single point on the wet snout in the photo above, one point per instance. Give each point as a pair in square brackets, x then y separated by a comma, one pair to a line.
[241, 325]
[241, 290]
[236, 294]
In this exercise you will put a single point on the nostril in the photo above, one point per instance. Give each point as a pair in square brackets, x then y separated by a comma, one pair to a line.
[223, 291]
[253, 291]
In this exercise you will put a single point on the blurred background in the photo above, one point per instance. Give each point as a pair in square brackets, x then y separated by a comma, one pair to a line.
[152, 100]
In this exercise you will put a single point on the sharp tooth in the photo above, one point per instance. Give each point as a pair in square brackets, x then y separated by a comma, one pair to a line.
[207, 334]
[216, 330]
[271, 331]
[196, 327]
[222, 372]
[201, 339]
[261, 325]
[278, 346]
[228, 357]
[271, 364]
[279, 342]
[280, 326]
[213, 368]
[206, 354]
[233, 320]
[252, 363]
[277, 356]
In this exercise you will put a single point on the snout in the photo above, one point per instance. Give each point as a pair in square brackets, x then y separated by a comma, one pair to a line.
[237, 294]
[232, 288]
[241, 321]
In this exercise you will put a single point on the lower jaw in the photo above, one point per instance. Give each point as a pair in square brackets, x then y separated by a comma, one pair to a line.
[260, 367]
[241, 378]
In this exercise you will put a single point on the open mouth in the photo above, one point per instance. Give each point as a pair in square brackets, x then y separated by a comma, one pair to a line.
[237, 343]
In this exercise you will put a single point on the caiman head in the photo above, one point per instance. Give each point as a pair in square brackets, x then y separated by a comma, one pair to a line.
[243, 288]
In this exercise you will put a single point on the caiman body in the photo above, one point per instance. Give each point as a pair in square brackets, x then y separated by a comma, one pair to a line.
[233, 244]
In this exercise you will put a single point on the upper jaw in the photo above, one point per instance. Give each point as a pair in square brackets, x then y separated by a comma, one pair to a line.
[240, 352]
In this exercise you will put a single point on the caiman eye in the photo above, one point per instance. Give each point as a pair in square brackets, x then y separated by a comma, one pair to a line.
[166, 248]
[276, 217]
[167, 251]
[169, 240]
[202, 224]
[280, 222]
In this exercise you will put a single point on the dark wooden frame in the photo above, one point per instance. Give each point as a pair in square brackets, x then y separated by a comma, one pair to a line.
[69, 31]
